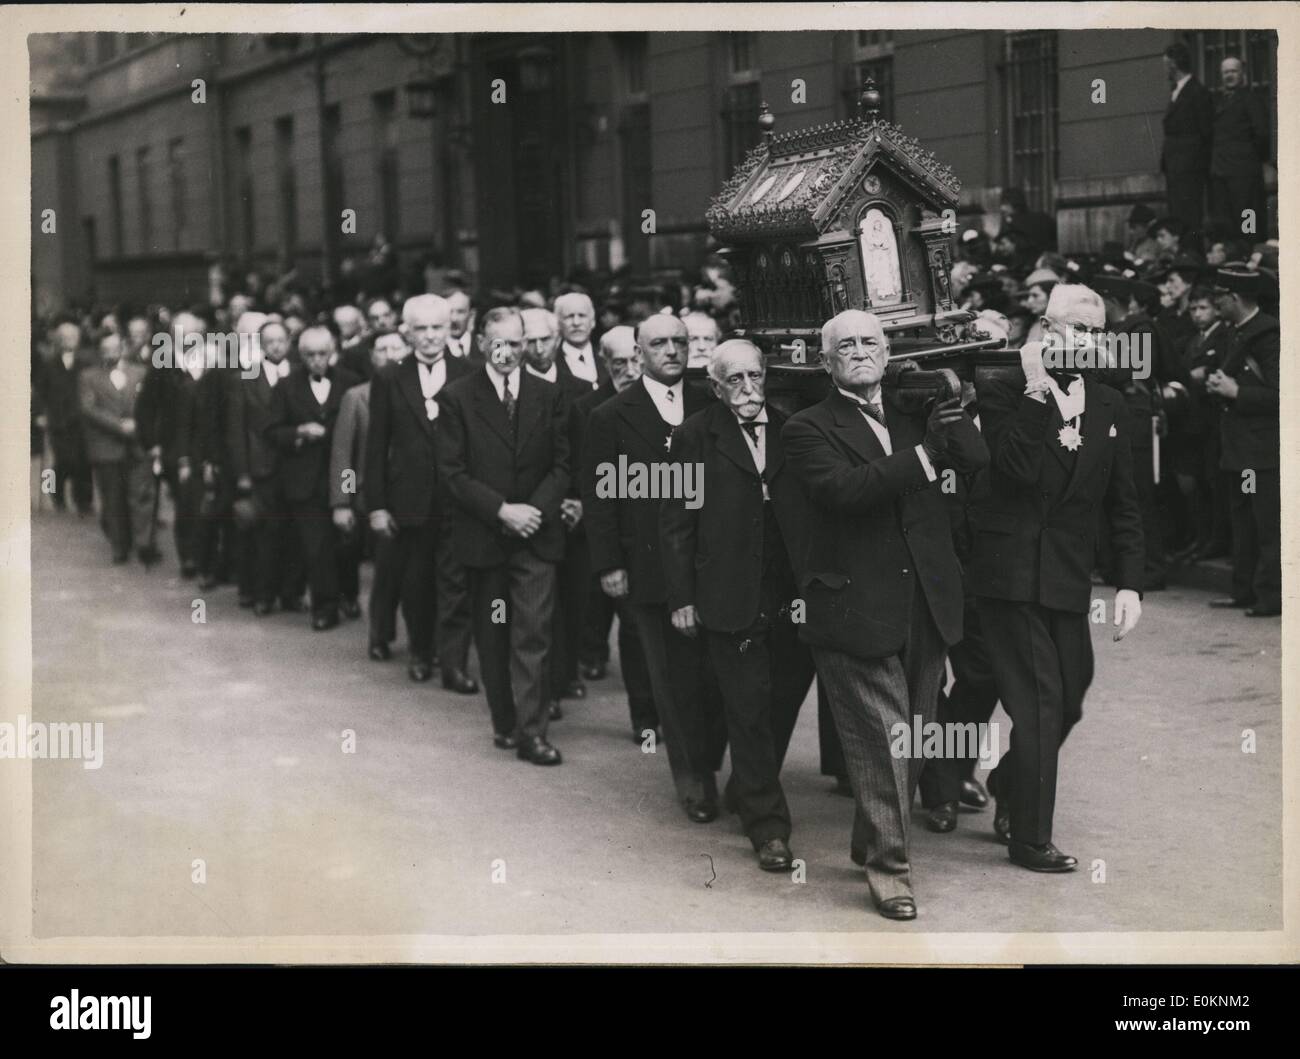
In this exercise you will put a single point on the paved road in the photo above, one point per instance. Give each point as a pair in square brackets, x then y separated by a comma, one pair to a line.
[223, 743]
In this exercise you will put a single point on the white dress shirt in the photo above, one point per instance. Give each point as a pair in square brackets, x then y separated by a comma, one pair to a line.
[432, 379]
[882, 432]
[275, 372]
[552, 374]
[457, 346]
[118, 378]
[581, 362]
[68, 359]
[1069, 402]
[321, 388]
[498, 382]
[667, 399]
[1178, 86]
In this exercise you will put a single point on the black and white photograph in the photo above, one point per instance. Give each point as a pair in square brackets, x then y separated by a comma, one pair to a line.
[702, 484]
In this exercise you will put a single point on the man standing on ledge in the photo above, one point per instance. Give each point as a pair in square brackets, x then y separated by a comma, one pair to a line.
[1060, 462]
[881, 583]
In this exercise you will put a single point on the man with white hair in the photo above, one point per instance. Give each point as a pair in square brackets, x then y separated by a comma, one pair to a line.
[702, 330]
[727, 564]
[407, 508]
[881, 582]
[1060, 463]
[577, 318]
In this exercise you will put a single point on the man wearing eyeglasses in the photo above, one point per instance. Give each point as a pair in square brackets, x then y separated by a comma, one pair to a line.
[879, 578]
[1061, 464]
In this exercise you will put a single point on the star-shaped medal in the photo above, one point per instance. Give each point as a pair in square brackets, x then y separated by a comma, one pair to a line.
[1069, 437]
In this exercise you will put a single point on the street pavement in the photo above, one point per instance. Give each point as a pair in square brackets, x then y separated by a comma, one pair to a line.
[224, 743]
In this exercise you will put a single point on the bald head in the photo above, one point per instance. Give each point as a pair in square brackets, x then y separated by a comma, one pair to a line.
[737, 375]
[315, 347]
[541, 337]
[426, 320]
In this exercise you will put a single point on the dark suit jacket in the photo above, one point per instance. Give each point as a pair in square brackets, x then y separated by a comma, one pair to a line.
[624, 533]
[713, 554]
[104, 406]
[305, 465]
[402, 443]
[482, 470]
[1189, 130]
[61, 404]
[348, 448]
[168, 415]
[1036, 522]
[602, 373]
[241, 423]
[573, 390]
[1241, 135]
[875, 523]
[1250, 436]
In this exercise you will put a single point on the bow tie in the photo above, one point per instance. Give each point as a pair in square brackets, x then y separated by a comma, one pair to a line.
[1064, 379]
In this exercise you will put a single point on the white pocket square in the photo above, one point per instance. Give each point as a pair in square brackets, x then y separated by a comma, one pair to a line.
[1113, 431]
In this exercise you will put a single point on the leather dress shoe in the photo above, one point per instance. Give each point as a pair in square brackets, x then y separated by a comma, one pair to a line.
[322, 622]
[456, 680]
[350, 608]
[379, 652]
[538, 751]
[842, 787]
[419, 671]
[1001, 811]
[1040, 858]
[148, 556]
[188, 570]
[292, 605]
[1231, 602]
[943, 818]
[898, 908]
[263, 607]
[554, 713]
[593, 672]
[775, 855]
[1259, 611]
[576, 690]
[858, 857]
[505, 742]
[701, 811]
[973, 794]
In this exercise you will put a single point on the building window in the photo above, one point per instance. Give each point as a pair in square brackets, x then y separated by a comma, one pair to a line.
[244, 189]
[286, 185]
[145, 197]
[873, 56]
[1256, 48]
[741, 53]
[332, 131]
[386, 162]
[1030, 91]
[105, 47]
[740, 110]
[633, 51]
[115, 204]
[176, 180]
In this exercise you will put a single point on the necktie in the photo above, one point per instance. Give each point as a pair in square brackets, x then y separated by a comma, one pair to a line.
[508, 399]
[873, 410]
[752, 430]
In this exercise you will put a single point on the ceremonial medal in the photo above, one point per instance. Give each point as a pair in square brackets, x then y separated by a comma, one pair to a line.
[1069, 437]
